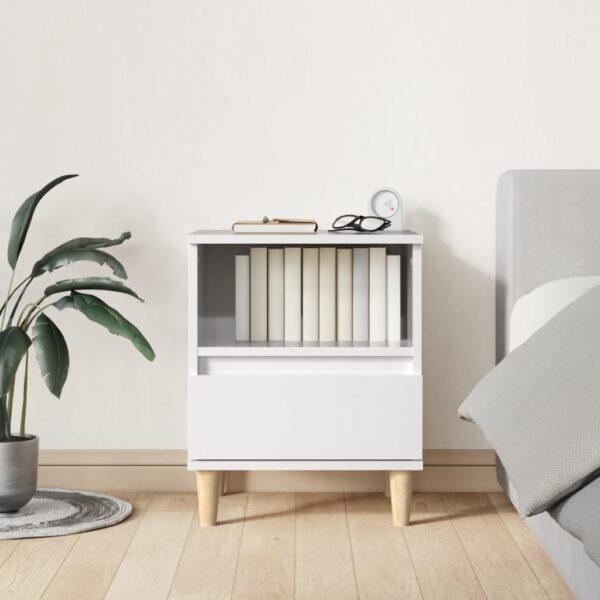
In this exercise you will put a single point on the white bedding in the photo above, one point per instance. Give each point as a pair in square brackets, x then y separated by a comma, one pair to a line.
[535, 309]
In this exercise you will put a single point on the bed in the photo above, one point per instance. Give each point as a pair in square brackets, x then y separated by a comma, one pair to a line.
[548, 228]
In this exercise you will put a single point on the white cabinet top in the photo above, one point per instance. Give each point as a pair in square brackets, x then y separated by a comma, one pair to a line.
[321, 238]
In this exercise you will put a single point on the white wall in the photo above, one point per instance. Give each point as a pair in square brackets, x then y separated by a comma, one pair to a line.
[188, 114]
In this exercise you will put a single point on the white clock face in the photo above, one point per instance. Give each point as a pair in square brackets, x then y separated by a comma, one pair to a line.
[385, 203]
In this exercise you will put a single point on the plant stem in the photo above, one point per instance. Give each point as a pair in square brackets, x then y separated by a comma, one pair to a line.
[15, 290]
[9, 409]
[32, 315]
[3, 418]
[24, 405]
[27, 318]
[18, 301]
[12, 278]
[21, 320]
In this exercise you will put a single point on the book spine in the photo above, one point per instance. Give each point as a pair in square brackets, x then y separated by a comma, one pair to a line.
[360, 295]
[273, 228]
[275, 295]
[258, 294]
[394, 332]
[327, 294]
[344, 295]
[242, 298]
[377, 295]
[310, 294]
[293, 295]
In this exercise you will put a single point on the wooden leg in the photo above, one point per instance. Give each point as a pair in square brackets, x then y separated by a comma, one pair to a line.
[401, 492]
[207, 483]
[222, 483]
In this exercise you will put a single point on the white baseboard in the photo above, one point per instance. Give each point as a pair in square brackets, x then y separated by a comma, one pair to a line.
[165, 471]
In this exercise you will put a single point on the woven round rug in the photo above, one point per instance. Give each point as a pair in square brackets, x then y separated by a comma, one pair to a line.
[54, 512]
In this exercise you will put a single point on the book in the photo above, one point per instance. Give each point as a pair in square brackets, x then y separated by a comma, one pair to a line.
[293, 295]
[242, 298]
[310, 294]
[360, 295]
[344, 294]
[277, 225]
[258, 294]
[275, 291]
[377, 295]
[327, 294]
[394, 332]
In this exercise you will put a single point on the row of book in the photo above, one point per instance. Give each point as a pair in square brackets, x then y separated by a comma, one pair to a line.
[318, 295]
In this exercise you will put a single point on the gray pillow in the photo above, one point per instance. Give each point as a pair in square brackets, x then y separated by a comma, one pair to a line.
[540, 407]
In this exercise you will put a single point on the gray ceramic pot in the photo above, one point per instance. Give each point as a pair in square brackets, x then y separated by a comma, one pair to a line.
[18, 472]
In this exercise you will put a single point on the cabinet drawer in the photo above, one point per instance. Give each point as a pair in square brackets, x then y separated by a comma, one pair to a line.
[305, 417]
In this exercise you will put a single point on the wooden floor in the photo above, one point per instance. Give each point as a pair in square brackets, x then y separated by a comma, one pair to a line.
[304, 546]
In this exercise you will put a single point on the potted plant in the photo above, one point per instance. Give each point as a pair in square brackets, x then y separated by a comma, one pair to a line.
[25, 325]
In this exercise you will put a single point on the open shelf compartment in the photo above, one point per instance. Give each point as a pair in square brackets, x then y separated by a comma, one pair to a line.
[214, 304]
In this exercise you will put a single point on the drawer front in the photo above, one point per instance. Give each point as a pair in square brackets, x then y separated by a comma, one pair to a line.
[305, 417]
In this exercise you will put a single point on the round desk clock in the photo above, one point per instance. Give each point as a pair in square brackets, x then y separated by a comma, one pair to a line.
[387, 203]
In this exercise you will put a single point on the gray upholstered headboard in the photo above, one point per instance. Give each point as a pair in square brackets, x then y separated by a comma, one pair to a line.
[547, 227]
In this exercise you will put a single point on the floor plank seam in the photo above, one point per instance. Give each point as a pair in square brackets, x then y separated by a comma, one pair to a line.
[114, 575]
[59, 567]
[11, 552]
[512, 537]
[237, 557]
[183, 546]
[463, 546]
[412, 563]
[295, 546]
[344, 500]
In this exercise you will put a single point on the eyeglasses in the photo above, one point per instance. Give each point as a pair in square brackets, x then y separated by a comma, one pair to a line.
[360, 223]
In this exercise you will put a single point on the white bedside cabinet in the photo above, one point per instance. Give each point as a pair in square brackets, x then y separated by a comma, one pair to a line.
[272, 405]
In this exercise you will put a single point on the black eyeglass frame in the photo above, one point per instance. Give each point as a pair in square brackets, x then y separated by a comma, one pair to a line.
[356, 224]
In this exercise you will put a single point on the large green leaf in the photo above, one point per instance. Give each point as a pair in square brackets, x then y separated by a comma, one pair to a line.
[14, 342]
[22, 220]
[83, 243]
[66, 257]
[98, 311]
[90, 283]
[65, 302]
[52, 353]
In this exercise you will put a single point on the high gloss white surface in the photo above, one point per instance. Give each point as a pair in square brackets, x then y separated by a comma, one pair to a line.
[305, 416]
[321, 237]
[291, 362]
[259, 403]
[309, 349]
[305, 465]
